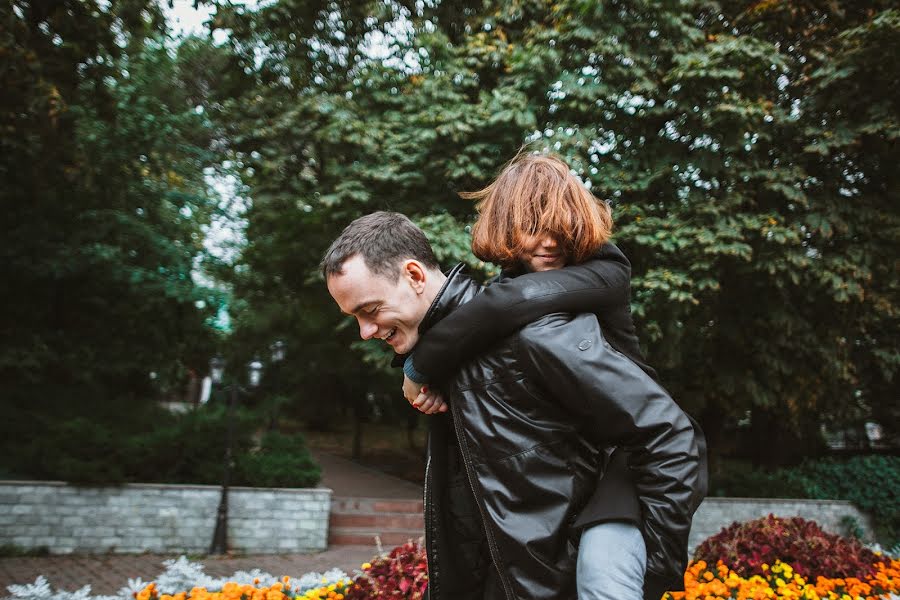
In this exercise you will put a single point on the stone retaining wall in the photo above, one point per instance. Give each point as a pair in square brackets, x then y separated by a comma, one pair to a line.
[181, 518]
[716, 513]
[160, 518]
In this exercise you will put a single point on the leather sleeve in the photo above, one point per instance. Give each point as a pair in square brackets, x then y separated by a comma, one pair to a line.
[621, 405]
[505, 306]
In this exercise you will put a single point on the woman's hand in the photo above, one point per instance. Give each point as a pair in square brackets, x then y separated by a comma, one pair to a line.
[411, 389]
[430, 402]
[423, 399]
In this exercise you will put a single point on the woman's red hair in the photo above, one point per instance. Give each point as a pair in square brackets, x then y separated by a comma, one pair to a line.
[537, 194]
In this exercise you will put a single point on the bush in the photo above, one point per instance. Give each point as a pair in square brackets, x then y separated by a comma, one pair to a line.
[740, 479]
[872, 483]
[188, 448]
[165, 448]
[81, 452]
[281, 461]
[811, 551]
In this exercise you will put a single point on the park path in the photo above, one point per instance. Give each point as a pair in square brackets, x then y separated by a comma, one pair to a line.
[107, 573]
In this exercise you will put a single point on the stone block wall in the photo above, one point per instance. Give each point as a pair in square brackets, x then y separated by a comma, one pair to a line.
[716, 513]
[160, 518]
[181, 518]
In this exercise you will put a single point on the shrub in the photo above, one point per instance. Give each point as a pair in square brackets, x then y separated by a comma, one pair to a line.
[188, 448]
[747, 547]
[401, 574]
[162, 448]
[281, 461]
[872, 483]
[81, 452]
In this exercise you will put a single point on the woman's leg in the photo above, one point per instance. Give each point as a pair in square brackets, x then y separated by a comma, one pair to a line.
[612, 559]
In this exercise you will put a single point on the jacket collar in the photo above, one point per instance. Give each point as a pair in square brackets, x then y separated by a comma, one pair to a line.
[607, 251]
[458, 289]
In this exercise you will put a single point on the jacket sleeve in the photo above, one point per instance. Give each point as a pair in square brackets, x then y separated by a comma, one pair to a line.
[618, 404]
[505, 306]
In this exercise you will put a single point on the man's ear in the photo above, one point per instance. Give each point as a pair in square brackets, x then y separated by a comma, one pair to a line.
[415, 274]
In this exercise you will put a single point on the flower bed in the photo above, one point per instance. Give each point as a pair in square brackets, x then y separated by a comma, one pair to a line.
[703, 582]
[811, 551]
[402, 575]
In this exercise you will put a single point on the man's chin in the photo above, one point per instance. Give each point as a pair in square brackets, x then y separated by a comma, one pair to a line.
[403, 346]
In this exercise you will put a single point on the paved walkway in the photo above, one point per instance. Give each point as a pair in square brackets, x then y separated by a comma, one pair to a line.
[347, 478]
[108, 573]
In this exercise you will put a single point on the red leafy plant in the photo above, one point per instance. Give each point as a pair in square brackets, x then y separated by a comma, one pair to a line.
[401, 574]
[811, 551]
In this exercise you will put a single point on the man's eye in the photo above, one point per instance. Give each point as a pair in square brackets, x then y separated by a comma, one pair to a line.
[371, 310]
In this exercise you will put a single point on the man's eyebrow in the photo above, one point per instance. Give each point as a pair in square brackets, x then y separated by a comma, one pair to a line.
[361, 306]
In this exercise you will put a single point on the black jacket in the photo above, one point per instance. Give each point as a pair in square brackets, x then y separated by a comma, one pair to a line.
[517, 457]
[601, 285]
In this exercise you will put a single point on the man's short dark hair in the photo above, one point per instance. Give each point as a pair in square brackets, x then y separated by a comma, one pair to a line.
[383, 239]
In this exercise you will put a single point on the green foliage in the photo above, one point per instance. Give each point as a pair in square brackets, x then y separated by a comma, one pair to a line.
[747, 151]
[872, 483]
[188, 448]
[743, 480]
[281, 461]
[103, 165]
[753, 198]
[103, 160]
[13, 551]
[72, 449]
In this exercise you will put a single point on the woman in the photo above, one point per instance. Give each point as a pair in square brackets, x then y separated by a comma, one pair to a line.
[535, 217]
[538, 221]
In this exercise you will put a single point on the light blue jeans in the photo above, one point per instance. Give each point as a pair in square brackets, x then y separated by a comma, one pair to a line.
[612, 559]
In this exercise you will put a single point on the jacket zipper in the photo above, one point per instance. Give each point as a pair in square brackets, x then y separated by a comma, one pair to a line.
[492, 543]
[429, 535]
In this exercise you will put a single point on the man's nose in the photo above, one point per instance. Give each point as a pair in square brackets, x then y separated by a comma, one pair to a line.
[549, 242]
[367, 329]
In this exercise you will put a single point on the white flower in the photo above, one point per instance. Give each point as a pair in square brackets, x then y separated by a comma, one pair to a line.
[182, 575]
[133, 587]
[41, 590]
[315, 580]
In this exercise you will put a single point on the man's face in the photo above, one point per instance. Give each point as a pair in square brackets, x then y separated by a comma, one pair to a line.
[386, 308]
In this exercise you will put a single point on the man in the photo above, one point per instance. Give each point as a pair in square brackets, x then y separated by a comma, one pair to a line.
[514, 462]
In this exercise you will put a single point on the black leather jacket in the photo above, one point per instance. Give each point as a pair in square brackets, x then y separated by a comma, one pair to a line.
[600, 285]
[518, 456]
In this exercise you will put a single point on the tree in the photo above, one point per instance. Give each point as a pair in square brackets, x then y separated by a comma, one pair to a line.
[105, 195]
[724, 137]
